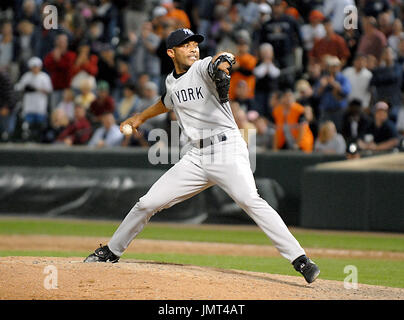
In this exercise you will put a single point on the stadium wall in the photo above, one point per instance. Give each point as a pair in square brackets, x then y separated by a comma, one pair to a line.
[105, 183]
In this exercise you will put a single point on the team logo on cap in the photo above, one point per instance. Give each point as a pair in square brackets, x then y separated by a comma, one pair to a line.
[187, 31]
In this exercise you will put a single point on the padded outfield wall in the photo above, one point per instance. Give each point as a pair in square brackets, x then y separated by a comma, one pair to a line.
[363, 194]
[78, 181]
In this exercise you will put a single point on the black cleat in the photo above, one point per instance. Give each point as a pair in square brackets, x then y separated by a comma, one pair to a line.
[102, 254]
[307, 268]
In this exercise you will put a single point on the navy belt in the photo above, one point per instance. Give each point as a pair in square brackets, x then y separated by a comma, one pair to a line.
[203, 143]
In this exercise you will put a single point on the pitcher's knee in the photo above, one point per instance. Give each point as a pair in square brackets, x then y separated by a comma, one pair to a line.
[249, 201]
[148, 205]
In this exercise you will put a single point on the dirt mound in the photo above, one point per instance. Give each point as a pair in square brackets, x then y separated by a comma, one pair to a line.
[28, 277]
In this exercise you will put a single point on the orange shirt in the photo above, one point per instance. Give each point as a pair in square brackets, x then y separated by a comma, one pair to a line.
[336, 46]
[292, 119]
[247, 62]
[181, 16]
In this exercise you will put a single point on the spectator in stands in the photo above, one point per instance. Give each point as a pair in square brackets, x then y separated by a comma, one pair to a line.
[329, 141]
[374, 7]
[85, 66]
[124, 77]
[292, 130]
[274, 100]
[312, 32]
[158, 20]
[314, 73]
[371, 62]
[264, 130]
[311, 120]
[129, 104]
[332, 90]
[226, 23]
[94, 35]
[396, 36]
[264, 11]
[141, 84]
[36, 86]
[305, 96]
[384, 22]
[107, 14]
[245, 126]
[306, 6]
[102, 104]
[7, 50]
[359, 77]
[382, 134]
[166, 64]
[27, 44]
[180, 16]
[107, 67]
[242, 97]
[249, 14]
[86, 96]
[78, 132]
[266, 74]
[386, 81]
[58, 123]
[7, 107]
[335, 10]
[58, 63]
[330, 45]
[372, 41]
[283, 33]
[145, 59]
[29, 11]
[351, 36]
[355, 122]
[150, 97]
[244, 66]
[67, 103]
[400, 122]
[108, 135]
[400, 59]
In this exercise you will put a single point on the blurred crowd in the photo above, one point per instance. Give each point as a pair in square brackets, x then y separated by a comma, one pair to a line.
[309, 75]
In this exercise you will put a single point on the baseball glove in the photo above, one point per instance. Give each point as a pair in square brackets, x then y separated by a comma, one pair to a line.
[221, 79]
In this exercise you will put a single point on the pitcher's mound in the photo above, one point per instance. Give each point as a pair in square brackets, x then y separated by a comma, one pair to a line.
[70, 278]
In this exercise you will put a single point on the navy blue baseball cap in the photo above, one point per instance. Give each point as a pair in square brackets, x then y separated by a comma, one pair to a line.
[181, 36]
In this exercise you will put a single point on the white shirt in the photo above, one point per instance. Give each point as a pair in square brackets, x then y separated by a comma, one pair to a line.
[336, 144]
[35, 102]
[264, 69]
[113, 137]
[194, 99]
[360, 84]
[310, 33]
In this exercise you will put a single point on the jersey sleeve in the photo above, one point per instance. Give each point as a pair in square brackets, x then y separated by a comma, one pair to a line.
[166, 99]
[202, 68]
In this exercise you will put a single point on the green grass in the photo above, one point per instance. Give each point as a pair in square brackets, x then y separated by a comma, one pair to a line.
[374, 272]
[308, 239]
[370, 271]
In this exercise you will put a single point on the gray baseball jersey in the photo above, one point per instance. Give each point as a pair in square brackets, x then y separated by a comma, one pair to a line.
[193, 98]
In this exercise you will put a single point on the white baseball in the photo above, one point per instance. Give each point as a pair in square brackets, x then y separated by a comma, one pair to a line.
[127, 129]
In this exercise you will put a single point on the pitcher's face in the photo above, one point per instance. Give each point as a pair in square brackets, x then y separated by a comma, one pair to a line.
[184, 55]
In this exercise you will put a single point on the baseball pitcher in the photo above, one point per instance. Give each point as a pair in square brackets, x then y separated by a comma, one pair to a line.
[197, 92]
